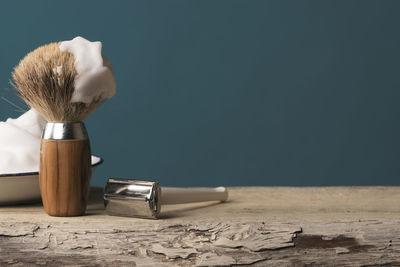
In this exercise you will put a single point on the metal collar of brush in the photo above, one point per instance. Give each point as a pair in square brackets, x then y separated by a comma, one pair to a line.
[65, 131]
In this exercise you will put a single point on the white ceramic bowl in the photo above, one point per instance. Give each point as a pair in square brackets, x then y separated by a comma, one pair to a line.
[17, 188]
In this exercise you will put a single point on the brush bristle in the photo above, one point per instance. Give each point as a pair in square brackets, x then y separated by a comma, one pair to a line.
[45, 81]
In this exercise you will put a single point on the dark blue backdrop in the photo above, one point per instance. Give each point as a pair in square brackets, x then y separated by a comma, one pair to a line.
[233, 92]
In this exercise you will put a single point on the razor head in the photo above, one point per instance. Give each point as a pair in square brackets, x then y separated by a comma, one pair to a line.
[132, 198]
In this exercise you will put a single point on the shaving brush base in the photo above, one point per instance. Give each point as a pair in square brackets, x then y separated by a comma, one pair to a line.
[65, 169]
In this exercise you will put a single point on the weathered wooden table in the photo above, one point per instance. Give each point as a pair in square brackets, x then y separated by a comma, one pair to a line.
[260, 226]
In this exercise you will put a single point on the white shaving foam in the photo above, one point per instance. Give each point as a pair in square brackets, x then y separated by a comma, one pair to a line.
[95, 79]
[20, 143]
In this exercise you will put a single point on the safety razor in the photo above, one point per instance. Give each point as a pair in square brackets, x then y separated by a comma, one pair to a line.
[143, 199]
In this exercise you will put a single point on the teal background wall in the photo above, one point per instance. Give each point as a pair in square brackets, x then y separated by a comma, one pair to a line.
[233, 92]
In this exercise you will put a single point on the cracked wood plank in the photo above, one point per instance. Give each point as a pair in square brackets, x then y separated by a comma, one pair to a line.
[258, 227]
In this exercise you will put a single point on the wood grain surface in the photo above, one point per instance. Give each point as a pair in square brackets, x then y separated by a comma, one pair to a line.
[257, 226]
[64, 176]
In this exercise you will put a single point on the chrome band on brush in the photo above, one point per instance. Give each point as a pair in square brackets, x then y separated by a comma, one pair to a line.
[65, 131]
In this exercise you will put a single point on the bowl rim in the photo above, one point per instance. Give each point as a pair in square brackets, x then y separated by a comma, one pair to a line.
[37, 173]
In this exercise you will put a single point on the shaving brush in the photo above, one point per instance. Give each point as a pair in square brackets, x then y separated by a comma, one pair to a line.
[45, 80]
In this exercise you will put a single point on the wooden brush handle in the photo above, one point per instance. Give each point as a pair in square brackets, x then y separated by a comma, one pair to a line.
[64, 176]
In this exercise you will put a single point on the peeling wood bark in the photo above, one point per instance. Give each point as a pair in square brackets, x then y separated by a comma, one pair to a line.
[280, 226]
[178, 243]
